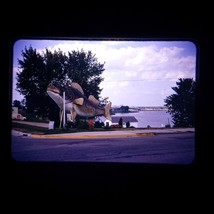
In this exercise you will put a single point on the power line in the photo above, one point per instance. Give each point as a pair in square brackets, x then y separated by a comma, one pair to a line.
[140, 80]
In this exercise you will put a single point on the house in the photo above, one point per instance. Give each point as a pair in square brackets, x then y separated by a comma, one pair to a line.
[16, 115]
[131, 119]
[114, 122]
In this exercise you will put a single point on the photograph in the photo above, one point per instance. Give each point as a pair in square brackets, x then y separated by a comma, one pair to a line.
[104, 100]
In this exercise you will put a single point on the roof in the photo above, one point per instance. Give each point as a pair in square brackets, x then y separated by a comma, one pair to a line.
[115, 119]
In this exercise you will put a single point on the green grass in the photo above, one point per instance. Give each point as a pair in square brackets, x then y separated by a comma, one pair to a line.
[41, 130]
[28, 128]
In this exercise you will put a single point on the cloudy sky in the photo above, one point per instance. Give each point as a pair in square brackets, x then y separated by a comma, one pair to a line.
[137, 73]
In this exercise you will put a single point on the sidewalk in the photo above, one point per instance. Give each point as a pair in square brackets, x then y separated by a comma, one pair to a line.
[108, 134]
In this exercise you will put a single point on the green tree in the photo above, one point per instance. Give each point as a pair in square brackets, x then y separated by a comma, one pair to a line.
[37, 70]
[84, 68]
[17, 103]
[181, 105]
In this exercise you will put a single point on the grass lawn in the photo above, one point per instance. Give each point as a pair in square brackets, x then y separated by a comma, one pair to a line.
[41, 130]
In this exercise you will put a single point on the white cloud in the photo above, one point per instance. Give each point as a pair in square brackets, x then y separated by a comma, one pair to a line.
[139, 70]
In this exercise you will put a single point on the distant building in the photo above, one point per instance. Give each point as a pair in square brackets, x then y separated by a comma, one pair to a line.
[107, 123]
[16, 115]
[133, 121]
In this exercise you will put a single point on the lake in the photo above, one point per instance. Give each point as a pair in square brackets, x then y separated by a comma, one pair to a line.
[155, 119]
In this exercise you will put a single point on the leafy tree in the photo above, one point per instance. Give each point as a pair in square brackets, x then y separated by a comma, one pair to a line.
[37, 70]
[17, 103]
[83, 68]
[181, 105]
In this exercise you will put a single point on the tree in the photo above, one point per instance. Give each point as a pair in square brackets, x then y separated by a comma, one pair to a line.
[35, 73]
[181, 105]
[17, 103]
[37, 70]
[83, 68]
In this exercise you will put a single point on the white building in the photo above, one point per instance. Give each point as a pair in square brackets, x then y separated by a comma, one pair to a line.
[16, 115]
[131, 119]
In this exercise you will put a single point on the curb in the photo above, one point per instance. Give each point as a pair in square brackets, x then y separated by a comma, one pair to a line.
[90, 136]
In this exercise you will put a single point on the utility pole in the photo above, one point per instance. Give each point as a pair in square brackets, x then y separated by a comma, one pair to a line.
[64, 109]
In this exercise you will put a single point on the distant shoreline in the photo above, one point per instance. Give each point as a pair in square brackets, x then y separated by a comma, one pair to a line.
[138, 109]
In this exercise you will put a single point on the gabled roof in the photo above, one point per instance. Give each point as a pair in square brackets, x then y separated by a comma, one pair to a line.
[115, 119]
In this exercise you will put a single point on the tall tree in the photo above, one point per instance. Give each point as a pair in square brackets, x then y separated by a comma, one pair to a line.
[37, 70]
[84, 68]
[181, 105]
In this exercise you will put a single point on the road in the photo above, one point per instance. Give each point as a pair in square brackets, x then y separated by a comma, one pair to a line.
[171, 148]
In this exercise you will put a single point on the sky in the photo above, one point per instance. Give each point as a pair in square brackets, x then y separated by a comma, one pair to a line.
[137, 72]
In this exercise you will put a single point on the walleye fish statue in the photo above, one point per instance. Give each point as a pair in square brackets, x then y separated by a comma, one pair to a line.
[76, 102]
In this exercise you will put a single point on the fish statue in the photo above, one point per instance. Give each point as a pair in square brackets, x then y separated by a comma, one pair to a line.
[76, 103]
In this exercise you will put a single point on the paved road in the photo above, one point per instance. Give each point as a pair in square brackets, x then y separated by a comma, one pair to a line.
[160, 148]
